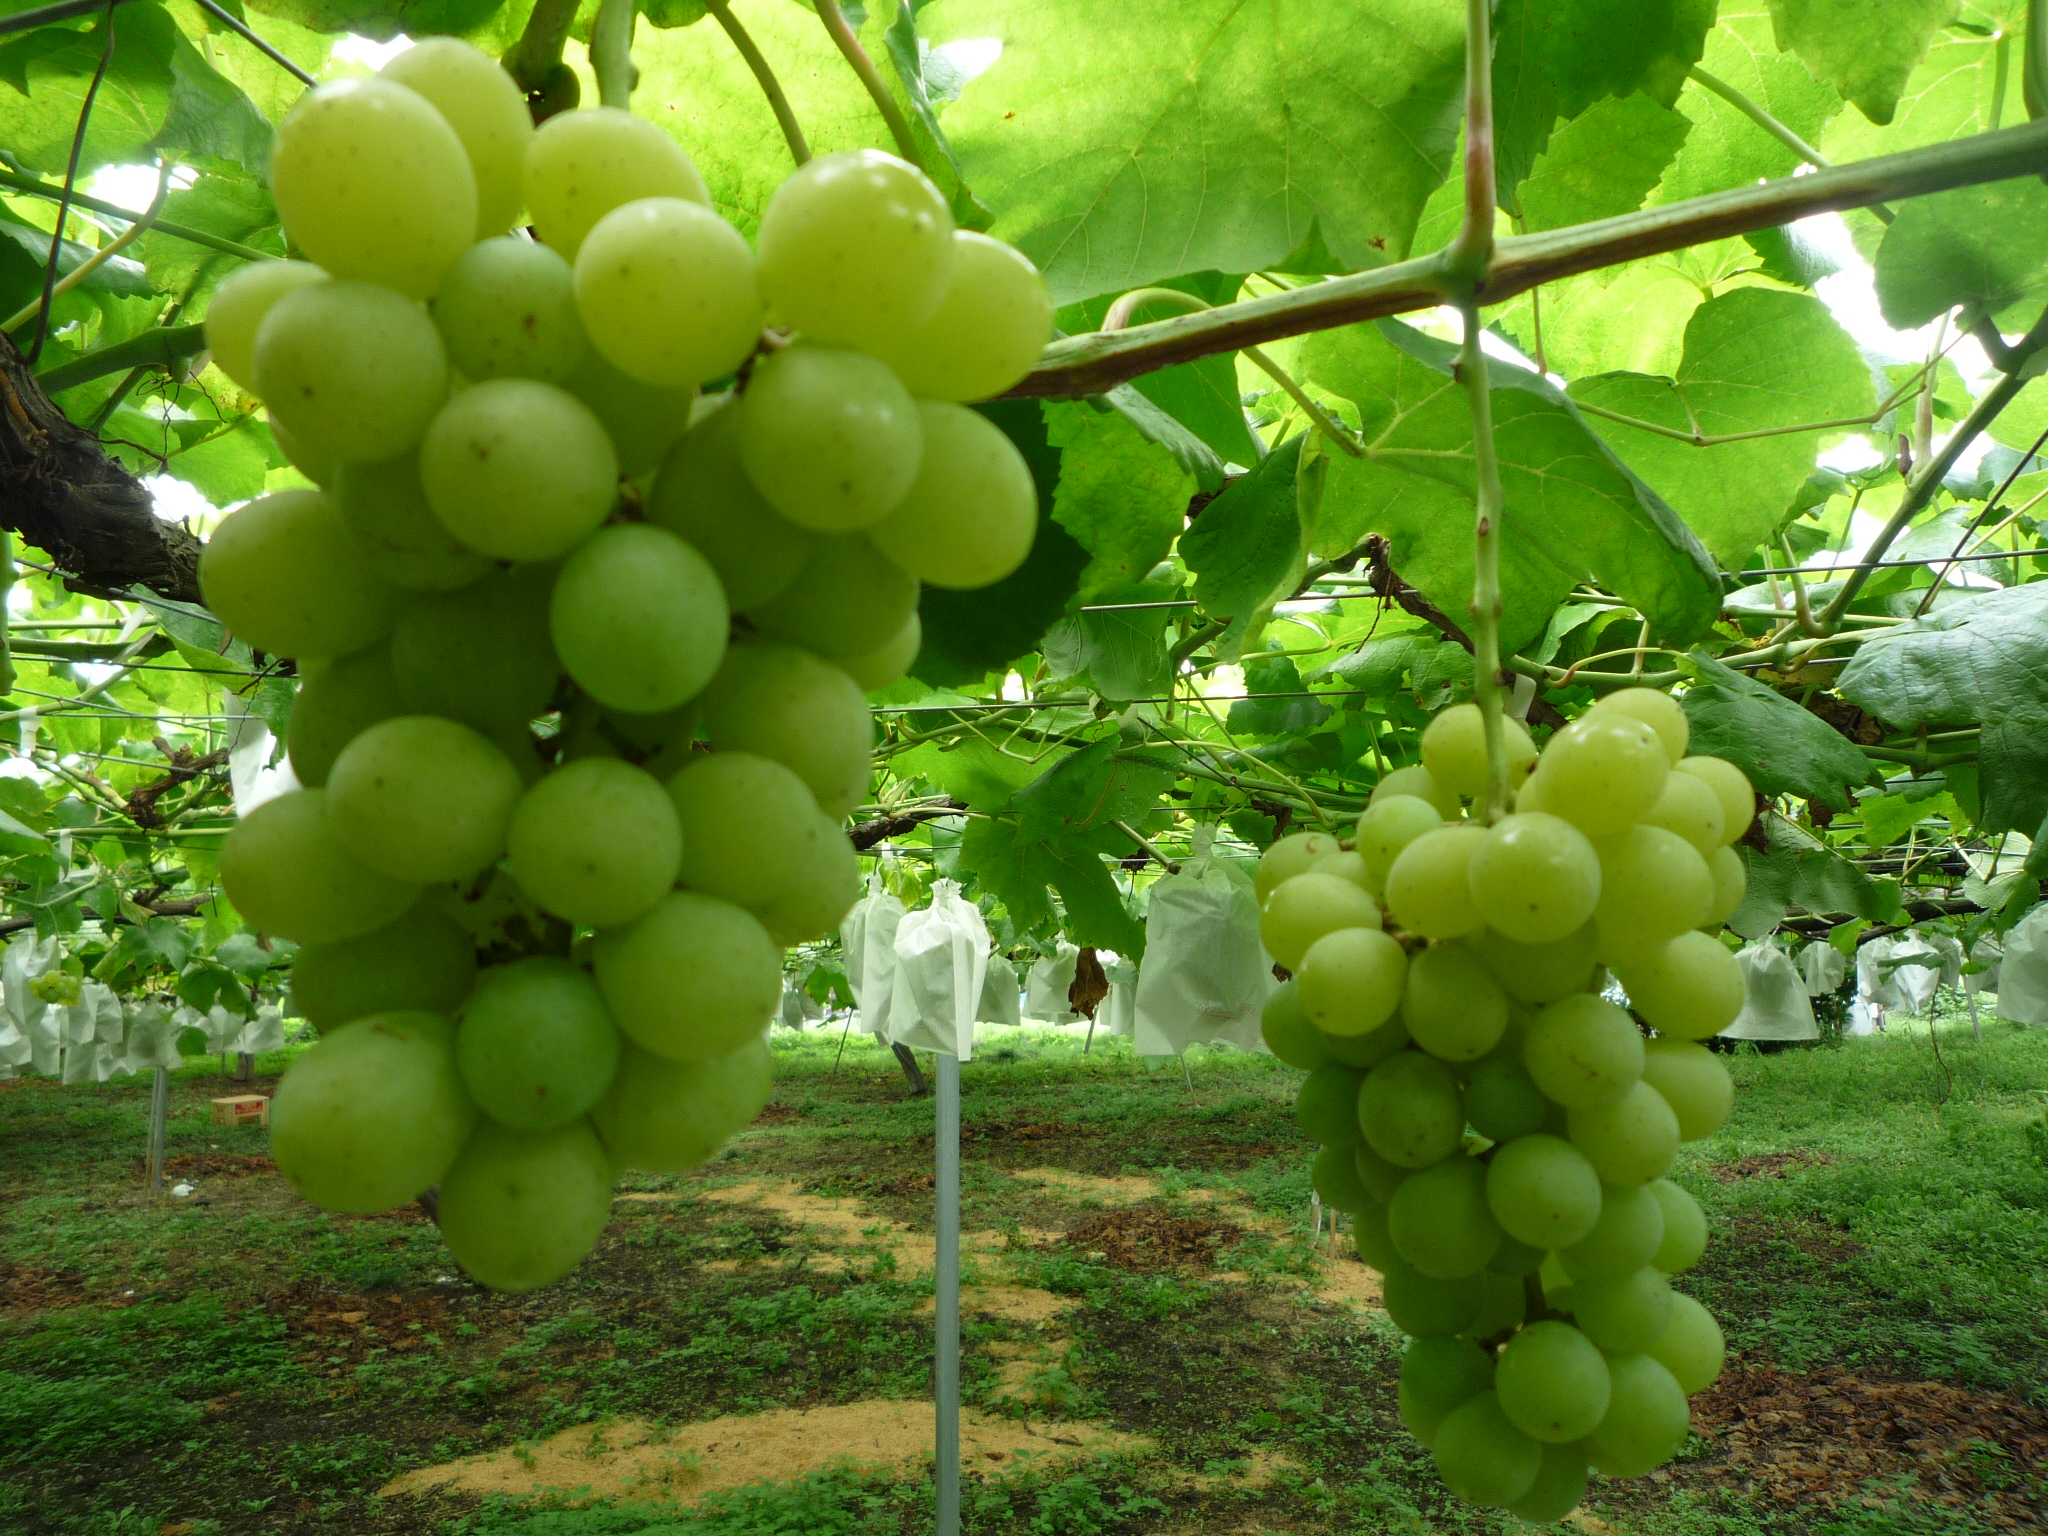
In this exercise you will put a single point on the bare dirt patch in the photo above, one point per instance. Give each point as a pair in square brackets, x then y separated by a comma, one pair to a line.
[335, 1331]
[1123, 1189]
[1010, 1303]
[635, 1459]
[1147, 1238]
[1819, 1438]
[1770, 1165]
[32, 1287]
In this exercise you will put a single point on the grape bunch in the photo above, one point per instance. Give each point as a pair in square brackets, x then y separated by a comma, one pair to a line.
[584, 649]
[1498, 1130]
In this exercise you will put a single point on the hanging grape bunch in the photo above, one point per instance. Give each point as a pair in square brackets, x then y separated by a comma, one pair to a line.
[1498, 1130]
[583, 656]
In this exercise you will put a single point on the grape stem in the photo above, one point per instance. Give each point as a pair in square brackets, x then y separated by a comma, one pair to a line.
[778, 102]
[539, 48]
[1470, 256]
[870, 77]
[611, 52]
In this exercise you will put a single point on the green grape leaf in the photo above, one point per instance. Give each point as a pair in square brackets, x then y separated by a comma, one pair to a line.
[1725, 148]
[1201, 396]
[2012, 762]
[1019, 868]
[1124, 499]
[232, 207]
[1193, 134]
[1630, 317]
[1734, 378]
[1122, 654]
[1965, 662]
[1790, 257]
[51, 69]
[1865, 51]
[1784, 749]
[1798, 870]
[383, 20]
[1276, 716]
[968, 634]
[970, 769]
[24, 252]
[228, 468]
[1248, 542]
[1957, 90]
[1090, 789]
[1572, 508]
[210, 121]
[2020, 426]
[1602, 163]
[1963, 247]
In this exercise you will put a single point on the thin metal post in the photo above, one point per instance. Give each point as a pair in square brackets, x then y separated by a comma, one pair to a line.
[159, 1113]
[946, 1449]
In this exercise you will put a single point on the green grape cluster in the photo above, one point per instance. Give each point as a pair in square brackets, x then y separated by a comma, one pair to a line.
[584, 650]
[1499, 1131]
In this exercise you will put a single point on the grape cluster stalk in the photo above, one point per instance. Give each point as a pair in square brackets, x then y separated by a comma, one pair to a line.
[1498, 1129]
[618, 520]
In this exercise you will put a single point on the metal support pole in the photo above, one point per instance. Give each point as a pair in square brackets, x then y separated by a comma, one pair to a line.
[159, 1113]
[947, 1298]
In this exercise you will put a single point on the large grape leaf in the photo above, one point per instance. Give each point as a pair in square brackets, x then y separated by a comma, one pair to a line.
[210, 121]
[1784, 749]
[1799, 870]
[1631, 317]
[1756, 359]
[44, 77]
[1202, 396]
[382, 19]
[1963, 663]
[1725, 148]
[1122, 653]
[235, 208]
[1957, 90]
[1572, 508]
[1018, 866]
[1865, 51]
[1965, 246]
[1602, 163]
[1123, 498]
[1249, 539]
[1118, 144]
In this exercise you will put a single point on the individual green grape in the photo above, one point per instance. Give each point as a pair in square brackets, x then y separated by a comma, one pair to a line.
[1424, 1308]
[1454, 750]
[1583, 1051]
[829, 437]
[693, 978]
[1369, 1235]
[1410, 1110]
[1326, 1105]
[353, 371]
[820, 895]
[288, 874]
[582, 165]
[1623, 1314]
[1516, 1259]
[520, 1209]
[1691, 1348]
[1440, 1222]
[1416, 780]
[519, 470]
[373, 184]
[1695, 1085]
[1389, 825]
[785, 704]
[507, 310]
[888, 662]
[1553, 1383]
[1543, 1191]
[1626, 1237]
[1659, 711]
[1647, 1419]
[1334, 1177]
[750, 826]
[238, 306]
[372, 1115]
[1429, 887]
[421, 798]
[1690, 988]
[595, 842]
[1437, 1376]
[536, 1046]
[704, 496]
[847, 598]
[969, 517]
[1503, 1305]
[384, 507]
[987, 332]
[420, 962]
[1368, 1050]
[1685, 1228]
[1738, 799]
[1731, 885]
[1629, 1140]
[857, 249]
[1653, 886]
[1502, 1101]
[1345, 865]
[1689, 807]
[1539, 973]
[1603, 772]
[644, 422]
[481, 655]
[1560, 1486]
[1287, 1031]
[666, 1116]
[1452, 1007]
[668, 292]
[1378, 1175]
[1301, 910]
[316, 464]
[1291, 856]
[335, 704]
[1535, 878]
[1350, 981]
[487, 110]
[639, 619]
[1482, 1457]
[283, 575]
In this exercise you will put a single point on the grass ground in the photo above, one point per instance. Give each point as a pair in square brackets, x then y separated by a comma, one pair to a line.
[1153, 1342]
